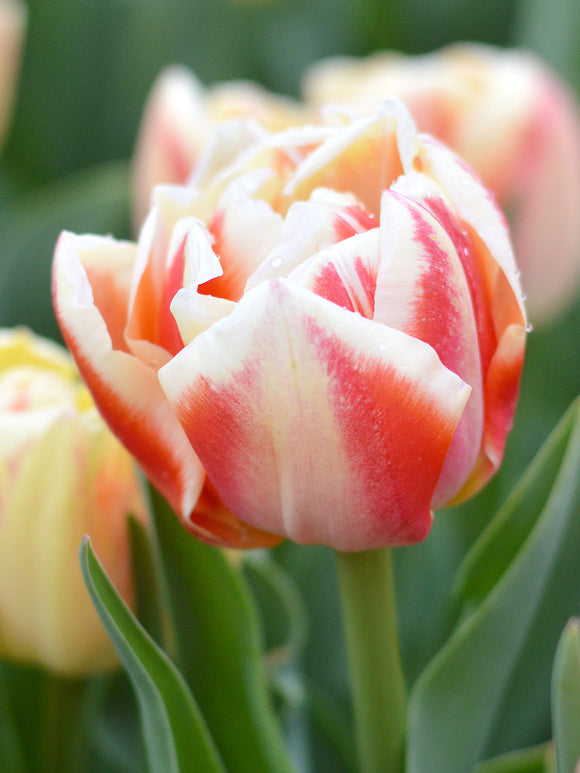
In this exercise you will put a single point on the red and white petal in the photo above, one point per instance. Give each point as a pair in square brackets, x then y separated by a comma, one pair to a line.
[316, 423]
[309, 227]
[345, 273]
[245, 229]
[126, 391]
[109, 266]
[476, 207]
[422, 290]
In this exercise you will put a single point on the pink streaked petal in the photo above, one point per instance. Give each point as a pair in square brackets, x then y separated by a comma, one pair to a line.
[475, 206]
[309, 227]
[422, 290]
[316, 423]
[245, 229]
[109, 267]
[125, 390]
[169, 254]
[501, 393]
[141, 333]
[364, 157]
[345, 273]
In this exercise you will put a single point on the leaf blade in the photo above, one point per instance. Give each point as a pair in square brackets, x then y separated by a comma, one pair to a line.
[175, 736]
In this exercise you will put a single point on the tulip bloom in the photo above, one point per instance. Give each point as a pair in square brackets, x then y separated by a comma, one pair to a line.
[12, 26]
[178, 120]
[328, 323]
[511, 120]
[63, 475]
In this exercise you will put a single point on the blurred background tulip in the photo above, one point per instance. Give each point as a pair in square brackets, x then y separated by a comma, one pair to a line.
[177, 122]
[512, 121]
[63, 475]
[12, 27]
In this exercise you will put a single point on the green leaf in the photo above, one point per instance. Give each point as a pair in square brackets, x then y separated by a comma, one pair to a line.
[456, 705]
[566, 698]
[174, 732]
[540, 759]
[146, 583]
[219, 648]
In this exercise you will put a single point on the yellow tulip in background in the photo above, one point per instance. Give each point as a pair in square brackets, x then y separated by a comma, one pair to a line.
[62, 475]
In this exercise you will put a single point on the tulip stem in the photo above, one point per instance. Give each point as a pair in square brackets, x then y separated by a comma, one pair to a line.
[377, 680]
[60, 740]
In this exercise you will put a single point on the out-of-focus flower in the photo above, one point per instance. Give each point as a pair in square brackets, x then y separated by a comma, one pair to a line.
[63, 475]
[511, 120]
[178, 120]
[12, 25]
[329, 322]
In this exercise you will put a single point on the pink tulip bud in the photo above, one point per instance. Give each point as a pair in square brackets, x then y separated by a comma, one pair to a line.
[321, 339]
[12, 26]
[511, 120]
[64, 475]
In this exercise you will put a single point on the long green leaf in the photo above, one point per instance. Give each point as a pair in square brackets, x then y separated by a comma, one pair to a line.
[175, 735]
[219, 648]
[455, 705]
[566, 698]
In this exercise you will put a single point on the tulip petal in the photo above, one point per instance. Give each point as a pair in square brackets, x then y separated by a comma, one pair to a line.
[309, 227]
[422, 290]
[245, 229]
[174, 129]
[315, 423]
[345, 273]
[482, 241]
[363, 158]
[476, 207]
[126, 391]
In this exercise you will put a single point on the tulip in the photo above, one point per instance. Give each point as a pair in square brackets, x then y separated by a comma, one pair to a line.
[63, 475]
[178, 119]
[511, 120]
[12, 25]
[328, 324]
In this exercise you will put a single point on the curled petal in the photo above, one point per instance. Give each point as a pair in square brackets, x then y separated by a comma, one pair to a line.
[245, 229]
[315, 423]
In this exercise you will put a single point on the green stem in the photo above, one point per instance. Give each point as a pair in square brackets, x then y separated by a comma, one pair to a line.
[377, 680]
[61, 719]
